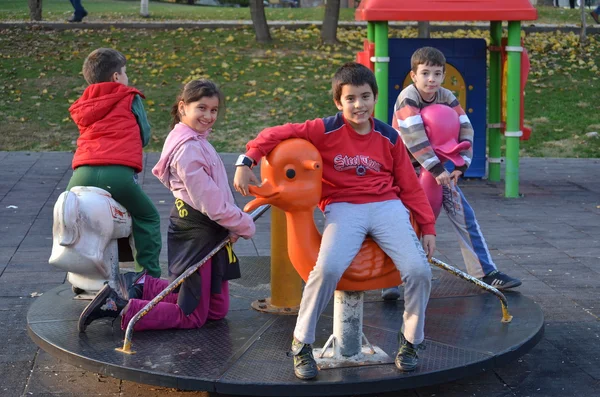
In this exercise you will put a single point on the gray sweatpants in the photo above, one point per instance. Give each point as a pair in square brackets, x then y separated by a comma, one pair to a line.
[346, 226]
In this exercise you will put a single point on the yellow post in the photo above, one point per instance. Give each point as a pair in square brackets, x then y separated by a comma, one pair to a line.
[286, 284]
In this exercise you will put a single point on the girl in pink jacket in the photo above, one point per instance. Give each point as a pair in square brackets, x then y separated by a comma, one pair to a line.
[204, 213]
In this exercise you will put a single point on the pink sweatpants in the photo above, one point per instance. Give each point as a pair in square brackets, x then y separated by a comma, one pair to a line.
[167, 314]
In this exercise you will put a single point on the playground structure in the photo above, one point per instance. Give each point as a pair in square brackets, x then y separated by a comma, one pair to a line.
[378, 13]
[245, 353]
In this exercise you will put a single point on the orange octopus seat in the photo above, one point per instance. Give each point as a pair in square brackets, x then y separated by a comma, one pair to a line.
[291, 180]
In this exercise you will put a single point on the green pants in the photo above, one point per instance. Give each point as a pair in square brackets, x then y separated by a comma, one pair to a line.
[121, 182]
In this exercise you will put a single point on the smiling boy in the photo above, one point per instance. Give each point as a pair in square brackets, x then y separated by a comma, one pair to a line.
[368, 185]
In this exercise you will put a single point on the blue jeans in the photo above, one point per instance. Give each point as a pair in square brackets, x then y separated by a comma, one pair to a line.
[473, 247]
[79, 10]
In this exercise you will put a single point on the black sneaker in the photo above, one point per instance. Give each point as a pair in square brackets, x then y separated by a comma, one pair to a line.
[500, 281]
[77, 18]
[106, 304]
[407, 358]
[128, 288]
[390, 294]
[305, 366]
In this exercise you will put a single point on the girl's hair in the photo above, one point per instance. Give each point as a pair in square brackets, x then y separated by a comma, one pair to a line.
[194, 91]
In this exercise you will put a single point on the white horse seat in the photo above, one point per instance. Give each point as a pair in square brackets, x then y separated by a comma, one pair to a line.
[87, 225]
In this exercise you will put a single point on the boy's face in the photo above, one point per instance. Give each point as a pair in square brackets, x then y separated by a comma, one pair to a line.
[356, 104]
[428, 79]
[121, 77]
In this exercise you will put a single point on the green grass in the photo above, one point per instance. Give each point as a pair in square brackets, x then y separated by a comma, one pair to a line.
[118, 10]
[561, 101]
[562, 15]
[287, 81]
[126, 10]
[264, 85]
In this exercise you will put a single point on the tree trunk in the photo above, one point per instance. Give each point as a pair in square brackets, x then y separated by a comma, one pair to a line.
[424, 31]
[582, 34]
[330, 22]
[261, 29]
[35, 10]
[144, 9]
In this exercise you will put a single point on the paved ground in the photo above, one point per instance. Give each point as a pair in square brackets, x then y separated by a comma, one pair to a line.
[550, 238]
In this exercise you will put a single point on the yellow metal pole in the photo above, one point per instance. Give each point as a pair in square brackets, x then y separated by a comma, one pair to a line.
[286, 284]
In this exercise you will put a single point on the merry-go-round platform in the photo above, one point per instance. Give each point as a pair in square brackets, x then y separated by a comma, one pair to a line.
[245, 353]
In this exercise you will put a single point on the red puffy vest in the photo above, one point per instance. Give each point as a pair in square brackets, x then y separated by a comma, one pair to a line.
[108, 130]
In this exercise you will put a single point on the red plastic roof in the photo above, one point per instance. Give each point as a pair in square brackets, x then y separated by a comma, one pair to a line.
[446, 10]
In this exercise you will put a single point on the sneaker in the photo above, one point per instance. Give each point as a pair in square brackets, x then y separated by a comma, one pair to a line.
[595, 16]
[305, 366]
[390, 294]
[106, 304]
[407, 358]
[128, 287]
[500, 281]
[76, 18]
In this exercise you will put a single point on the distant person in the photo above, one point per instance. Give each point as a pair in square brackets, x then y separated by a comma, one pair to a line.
[203, 214]
[79, 12]
[595, 13]
[428, 69]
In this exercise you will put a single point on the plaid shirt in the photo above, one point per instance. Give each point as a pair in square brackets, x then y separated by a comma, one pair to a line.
[409, 124]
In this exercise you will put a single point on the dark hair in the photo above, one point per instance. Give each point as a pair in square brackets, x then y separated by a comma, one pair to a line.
[101, 64]
[194, 91]
[354, 74]
[427, 56]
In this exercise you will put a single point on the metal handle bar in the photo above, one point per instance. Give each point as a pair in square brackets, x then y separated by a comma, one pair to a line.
[257, 213]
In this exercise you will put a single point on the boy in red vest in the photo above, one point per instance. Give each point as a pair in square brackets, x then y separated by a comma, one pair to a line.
[113, 128]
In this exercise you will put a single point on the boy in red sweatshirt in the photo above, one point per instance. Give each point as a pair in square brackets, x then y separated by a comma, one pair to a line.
[368, 187]
[113, 128]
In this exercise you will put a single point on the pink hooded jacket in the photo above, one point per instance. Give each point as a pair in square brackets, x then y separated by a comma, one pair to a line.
[191, 168]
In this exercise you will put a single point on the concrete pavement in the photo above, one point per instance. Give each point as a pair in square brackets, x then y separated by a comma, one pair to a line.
[550, 238]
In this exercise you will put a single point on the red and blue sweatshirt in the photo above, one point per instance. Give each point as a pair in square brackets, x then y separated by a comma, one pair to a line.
[357, 168]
